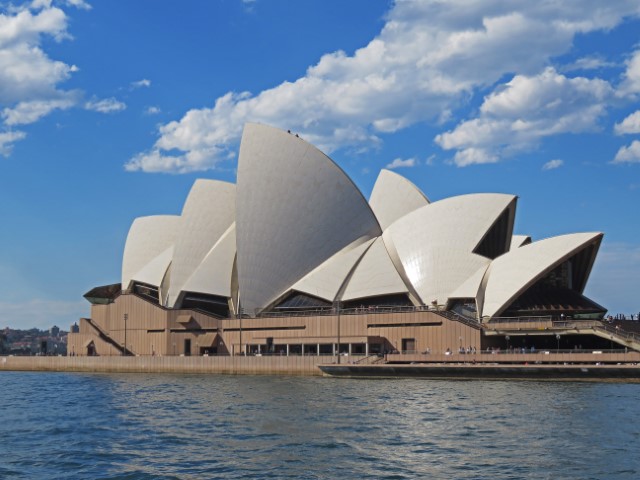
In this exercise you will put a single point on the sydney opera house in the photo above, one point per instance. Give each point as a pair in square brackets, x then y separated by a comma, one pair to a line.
[293, 260]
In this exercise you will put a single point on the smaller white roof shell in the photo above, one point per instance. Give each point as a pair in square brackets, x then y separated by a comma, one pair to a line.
[148, 237]
[394, 196]
[213, 275]
[207, 214]
[374, 275]
[512, 273]
[325, 281]
[518, 241]
[154, 271]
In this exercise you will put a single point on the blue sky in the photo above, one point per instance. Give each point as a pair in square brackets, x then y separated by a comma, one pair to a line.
[110, 110]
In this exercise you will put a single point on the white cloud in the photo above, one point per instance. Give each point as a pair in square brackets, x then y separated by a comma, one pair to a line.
[429, 57]
[31, 111]
[520, 113]
[29, 78]
[107, 105]
[553, 164]
[42, 314]
[7, 139]
[141, 83]
[631, 124]
[400, 163]
[630, 154]
[152, 110]
[631, 83]
[593, 62]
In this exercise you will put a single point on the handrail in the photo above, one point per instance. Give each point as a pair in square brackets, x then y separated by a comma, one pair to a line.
[108, 339]
[618, 331]
[456, 317]
[327, 311]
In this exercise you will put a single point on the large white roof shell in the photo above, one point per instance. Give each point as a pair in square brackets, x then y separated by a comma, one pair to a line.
[432, 246]
[514, 272]
[295, 209]
[207, 214]
[394, 196]
[325, 281]
[374, 275]
[148, 237]
[213, 275]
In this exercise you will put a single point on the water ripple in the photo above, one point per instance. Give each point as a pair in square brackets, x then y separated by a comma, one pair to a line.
[78, 426]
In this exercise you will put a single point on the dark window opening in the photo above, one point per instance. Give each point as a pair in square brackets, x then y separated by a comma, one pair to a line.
[498, 239]
[397, 300]
[212, 304]
[146, 291]
[301, 301]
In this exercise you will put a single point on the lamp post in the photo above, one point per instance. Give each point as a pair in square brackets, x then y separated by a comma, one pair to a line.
[338, 320]
[126, 317]
[558, 342]
[507, 338]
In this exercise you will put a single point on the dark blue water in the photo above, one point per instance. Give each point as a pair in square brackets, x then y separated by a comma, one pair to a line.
[67, 426]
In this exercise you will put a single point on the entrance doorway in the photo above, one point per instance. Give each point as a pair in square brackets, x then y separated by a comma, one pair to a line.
[187, 347]
[408, 345]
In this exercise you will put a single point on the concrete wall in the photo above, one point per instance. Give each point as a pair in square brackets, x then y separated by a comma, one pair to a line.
[275, 365]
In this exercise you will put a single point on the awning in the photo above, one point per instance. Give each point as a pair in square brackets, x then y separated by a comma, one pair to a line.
[206, 339]
[184, 319]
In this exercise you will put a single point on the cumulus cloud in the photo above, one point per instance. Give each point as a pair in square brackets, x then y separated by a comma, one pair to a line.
[141, 83]
[400, 163]
[152, 110]
[553, 164]
[523, 111]
[7, 139]
[631, 124]
[106, 105]
[631, 83]
[31, 111]
[429, 58]
[630, 154]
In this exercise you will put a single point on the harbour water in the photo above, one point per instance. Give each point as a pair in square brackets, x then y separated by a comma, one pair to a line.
[135, 426]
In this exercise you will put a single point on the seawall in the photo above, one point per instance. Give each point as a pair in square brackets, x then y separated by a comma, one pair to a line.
[276, 365]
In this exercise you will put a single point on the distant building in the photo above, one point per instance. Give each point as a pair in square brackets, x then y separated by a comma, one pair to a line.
[293, 259]
[54, 331]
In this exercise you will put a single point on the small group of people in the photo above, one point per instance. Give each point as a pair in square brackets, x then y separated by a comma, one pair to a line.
[461, 350]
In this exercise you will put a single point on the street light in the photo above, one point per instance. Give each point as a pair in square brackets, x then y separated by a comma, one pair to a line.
[126, 317]
[558, 340]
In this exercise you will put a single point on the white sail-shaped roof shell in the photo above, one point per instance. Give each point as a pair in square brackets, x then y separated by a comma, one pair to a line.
[148, 237]
[518, 241]
[208, 212]
[514, 272]
[432, 247]
[326, 280]
[471, 286]
[394, 196]
[213, 275]
[374, 275]
[295, 209]
[153, 272]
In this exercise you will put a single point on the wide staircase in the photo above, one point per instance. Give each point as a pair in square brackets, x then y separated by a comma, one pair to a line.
[522, 325]
[103, 336]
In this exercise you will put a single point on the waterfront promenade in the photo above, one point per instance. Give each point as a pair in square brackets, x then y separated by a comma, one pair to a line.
[308, 365]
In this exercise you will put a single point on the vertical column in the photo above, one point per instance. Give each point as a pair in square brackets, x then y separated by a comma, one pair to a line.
[318, 349]
[366, 349]
[287, 349]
